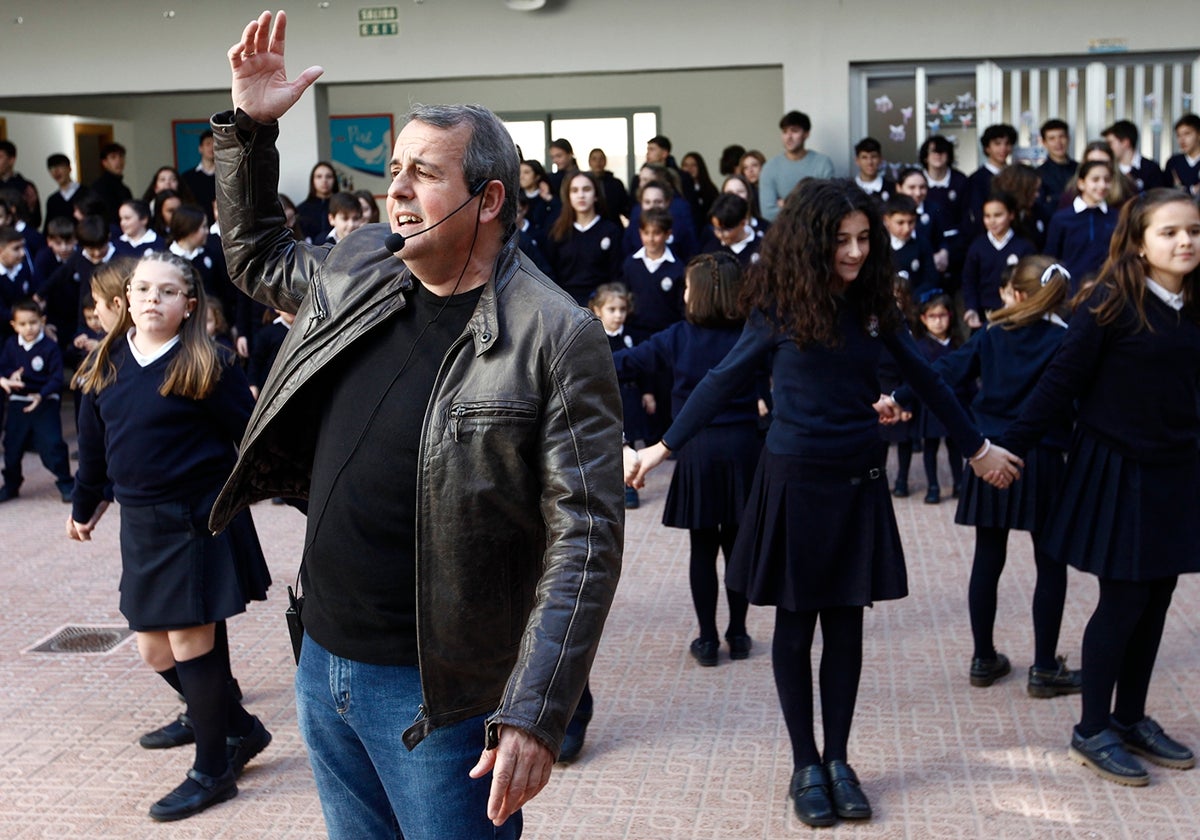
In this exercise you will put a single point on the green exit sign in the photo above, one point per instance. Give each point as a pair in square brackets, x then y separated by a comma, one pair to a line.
[378, 20]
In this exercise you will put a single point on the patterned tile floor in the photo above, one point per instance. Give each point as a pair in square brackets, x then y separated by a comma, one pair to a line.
[675, 751]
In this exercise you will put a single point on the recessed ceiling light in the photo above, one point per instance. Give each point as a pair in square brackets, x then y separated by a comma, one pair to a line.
[524, 5]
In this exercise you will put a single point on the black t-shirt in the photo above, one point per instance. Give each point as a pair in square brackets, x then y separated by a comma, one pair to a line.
[360, 549]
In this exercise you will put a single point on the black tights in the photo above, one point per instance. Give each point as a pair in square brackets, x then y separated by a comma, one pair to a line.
[841, 665]
[1049, 593]
[1120, 645]
[706, 542]
[929, 454]
[904, 452]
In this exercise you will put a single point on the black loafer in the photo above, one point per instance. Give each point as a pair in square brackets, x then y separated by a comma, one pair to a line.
[739, 646]
[197, 792]
[848, 799]
[933, 495]
[177, 733]
[984, 672]
[705, 651]
[1046, 682]
[572, 743]
[809, 791]
[1106, 756]
[900, 491]
[239, 749]
[1147, 739]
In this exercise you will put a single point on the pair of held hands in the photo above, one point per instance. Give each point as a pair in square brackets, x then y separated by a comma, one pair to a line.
[994, 464]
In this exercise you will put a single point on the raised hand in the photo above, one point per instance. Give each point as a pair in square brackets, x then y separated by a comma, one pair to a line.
[260, 84]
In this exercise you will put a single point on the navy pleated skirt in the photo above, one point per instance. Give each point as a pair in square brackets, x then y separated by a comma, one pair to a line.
[816, 536]
[1122, 519]
[1025, 505]
[713, 474]
[176, 574]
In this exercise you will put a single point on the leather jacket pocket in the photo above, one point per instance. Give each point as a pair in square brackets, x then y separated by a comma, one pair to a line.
[467, 418]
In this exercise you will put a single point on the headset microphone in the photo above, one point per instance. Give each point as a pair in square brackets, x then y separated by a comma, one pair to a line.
[394, 242]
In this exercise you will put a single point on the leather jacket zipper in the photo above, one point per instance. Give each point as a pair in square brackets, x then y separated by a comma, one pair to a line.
[320, 306]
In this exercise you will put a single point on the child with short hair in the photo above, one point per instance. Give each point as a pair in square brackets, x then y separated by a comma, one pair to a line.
[732, 231]
[89, 335]
[1079, 235]
[946, 200]
[1146, 174]
[162, 415]
[345, 216]
[1184, 168]
[137, 237]
[58, 203]
[31, 375]
[60, 246]
[912, 255]
[868, 157]
[1059, 167]
[997, 142]
[990, 253]
[66, 291]
[17, 280]
[654, 277]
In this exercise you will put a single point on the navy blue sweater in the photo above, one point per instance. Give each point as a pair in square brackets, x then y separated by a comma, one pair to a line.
[914, 262]
[156, 449]
[657, 296]
[1182, 174]
[690, 352]
[585, 259]
[823, 395]
[984, 266]
[41, 364]
[1137, 389]
[1080, 240]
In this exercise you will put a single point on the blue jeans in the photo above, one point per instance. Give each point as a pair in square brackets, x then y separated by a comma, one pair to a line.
[352, 716]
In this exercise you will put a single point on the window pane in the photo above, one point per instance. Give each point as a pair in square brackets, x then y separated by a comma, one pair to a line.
[954, 96]
[891, 116]
[645, 126]
[530, 136]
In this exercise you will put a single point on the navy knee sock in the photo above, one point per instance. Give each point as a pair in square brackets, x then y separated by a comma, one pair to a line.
[206, 688]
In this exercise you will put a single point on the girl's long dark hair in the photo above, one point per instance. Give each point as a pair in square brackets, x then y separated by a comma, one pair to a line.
[794, 281]
[1123, 274]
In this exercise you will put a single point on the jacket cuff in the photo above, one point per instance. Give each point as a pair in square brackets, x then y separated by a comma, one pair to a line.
[239, 123]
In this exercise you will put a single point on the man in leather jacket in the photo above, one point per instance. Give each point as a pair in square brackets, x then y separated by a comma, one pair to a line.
[453, 421]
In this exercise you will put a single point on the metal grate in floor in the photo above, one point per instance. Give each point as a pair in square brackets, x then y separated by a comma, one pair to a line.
[73, 639]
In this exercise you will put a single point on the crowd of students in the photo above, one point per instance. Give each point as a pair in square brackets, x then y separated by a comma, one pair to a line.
[722, 326]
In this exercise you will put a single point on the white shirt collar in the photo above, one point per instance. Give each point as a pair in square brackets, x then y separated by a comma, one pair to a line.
[178, 251]
[744, 242]
[70, 190]
[652, 264]
[897, 244]
[148, 236]
[280, 320]
[999, 244]
[111, 250]
[29, 346]
[1053, 318]
[944, 182]
[143, 359]
[870, 187]
[619, 331]
[1192, 161]
[1080, 205]
[584, 228]
[991, 167]
[11, 273]
[945, 342]
[1171, 299]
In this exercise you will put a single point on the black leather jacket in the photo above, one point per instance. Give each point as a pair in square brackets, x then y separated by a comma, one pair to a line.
[520, 512]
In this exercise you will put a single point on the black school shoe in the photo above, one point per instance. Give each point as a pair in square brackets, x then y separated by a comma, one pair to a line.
[809, 792]
[1047, 682]
[239, 749]
[197, 792]
[933, 495]
[705, 651]
[1147, 739]
[177, 733]
[739, 645]
[848, 799]
[984, 672]
[1105, 755]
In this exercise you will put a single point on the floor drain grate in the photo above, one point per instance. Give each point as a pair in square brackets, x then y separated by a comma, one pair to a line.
[72, 639]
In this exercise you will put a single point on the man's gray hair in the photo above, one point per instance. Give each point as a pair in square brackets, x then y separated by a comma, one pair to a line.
[490, 155]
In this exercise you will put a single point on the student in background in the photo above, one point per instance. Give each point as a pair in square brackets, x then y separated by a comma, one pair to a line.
[313, 212]
[1184, 168]
[1079, 235]
[706, 191]
[201, 181]
[1122, 188]
[583, 247]
[990, 253]
[743, 189]
[544, 205]
[58, 203]
[791, 166]
[733, 233]
[267, 342]
[1122, 137]
[190, 241]
[69, 287]
[345, 216]
[368, 205]
[997, 142]
[912, 255]
[1024, 185]
[912, 183]
[110, 186]
[616, 197]
[1059, 167]
[935, 312]
[137, 237]
[658, 192]
[167, 178]
[17, 279]
[868, 157]
[946, 201]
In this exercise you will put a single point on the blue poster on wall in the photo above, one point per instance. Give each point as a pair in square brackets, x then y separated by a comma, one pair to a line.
[186, 136]
[362, 142]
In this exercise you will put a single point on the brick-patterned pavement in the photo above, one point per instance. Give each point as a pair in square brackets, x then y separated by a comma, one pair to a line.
[675, 750]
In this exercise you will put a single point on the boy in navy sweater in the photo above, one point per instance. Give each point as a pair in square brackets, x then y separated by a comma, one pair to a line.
[1122, 137]
[997, 141]
[868, 156]
[1183, 169]
[1059, 168]
[31, 374]
[988, 256]
[654, 277]
[912, 256]
[16, 274]
[733, 232]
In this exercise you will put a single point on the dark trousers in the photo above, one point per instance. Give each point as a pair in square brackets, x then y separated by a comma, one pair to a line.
[42, 428]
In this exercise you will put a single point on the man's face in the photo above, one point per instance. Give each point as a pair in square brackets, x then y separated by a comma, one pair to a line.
[656, 153]
[1055, 141]
[61, 174]
[427, 186]
[794, 138]
[28, 325]
[1188, 139]
[114, 162]
[206, 150]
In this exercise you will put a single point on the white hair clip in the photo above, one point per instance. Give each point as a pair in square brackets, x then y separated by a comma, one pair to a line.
[1048, 274]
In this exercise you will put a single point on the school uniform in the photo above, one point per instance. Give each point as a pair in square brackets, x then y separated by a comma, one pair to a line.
[40, 362]
[632, 387]
[1055, 177]
[912, 259]
[313, 216]
[67, 291]
[138, 248]
[1145, 174]
[542, 213]
[45, 264]
[264, 349]
[819, 530]
[58, 205]
[946, 204]
[1079, 236]
[1183, 172]
[209, 262]
[979, 187]
[203, 186]
[1010, 362]
[16, 283]
[1133, 472]
[929, 227]
[530, 244]
[35, 243]
[616, 197]
[714, 470]
[934, 349]
[746, 250]
[985, 263]
[657, 288]
[167, 458]
[683, 240]
[880, 187]
[588, 257]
